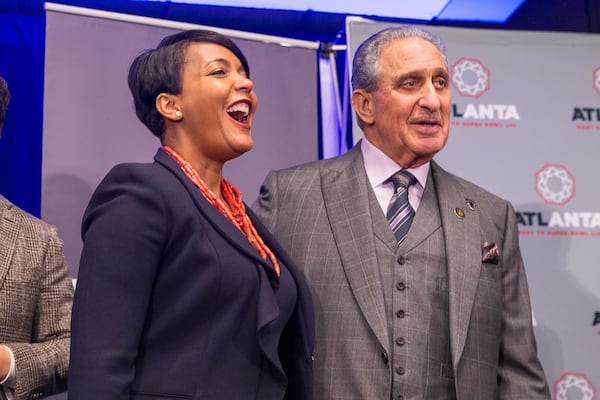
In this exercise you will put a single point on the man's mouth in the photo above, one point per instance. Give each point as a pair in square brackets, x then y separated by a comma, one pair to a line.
[426, 122]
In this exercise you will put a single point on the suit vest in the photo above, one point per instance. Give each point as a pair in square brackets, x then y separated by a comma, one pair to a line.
[415, 285]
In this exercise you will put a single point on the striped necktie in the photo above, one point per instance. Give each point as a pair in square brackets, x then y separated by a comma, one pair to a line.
[400, 213]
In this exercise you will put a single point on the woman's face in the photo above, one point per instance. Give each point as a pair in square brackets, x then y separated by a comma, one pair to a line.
[217, 102]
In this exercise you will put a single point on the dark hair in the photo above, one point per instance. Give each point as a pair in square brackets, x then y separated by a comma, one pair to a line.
[4, 99]
[159, 70]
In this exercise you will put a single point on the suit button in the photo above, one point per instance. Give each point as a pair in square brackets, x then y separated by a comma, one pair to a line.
[399, 397]
[400, 341]
[385, 358]
[400, 286]
[400, 371]
[400, 314]
[401, 260]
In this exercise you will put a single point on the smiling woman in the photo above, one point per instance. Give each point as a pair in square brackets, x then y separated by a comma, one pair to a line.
[209, 121]
[219, 310]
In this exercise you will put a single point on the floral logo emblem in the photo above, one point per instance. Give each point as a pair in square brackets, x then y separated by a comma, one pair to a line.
[470, 77]
[555, 184]
[574, 386]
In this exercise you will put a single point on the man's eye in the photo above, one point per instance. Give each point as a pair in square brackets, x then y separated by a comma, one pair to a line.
[411, 83]
[441, 83]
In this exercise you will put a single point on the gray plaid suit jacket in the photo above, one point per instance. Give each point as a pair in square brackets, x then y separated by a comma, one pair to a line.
[36, 294]
[320, 213]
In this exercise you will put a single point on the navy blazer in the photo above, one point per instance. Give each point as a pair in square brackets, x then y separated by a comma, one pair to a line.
[173, 302]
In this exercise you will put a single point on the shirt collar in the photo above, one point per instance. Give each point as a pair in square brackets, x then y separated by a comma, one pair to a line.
[379, 167]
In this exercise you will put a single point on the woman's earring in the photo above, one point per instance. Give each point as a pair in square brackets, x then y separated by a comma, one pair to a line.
[178, 114]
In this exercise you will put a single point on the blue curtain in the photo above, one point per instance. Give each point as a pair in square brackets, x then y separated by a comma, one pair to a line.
[22, 36]
[335, 137]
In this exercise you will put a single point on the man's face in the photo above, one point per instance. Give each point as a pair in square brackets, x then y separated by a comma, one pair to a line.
[408, 115]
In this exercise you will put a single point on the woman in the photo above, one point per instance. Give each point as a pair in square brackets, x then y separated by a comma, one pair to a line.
[182, 293]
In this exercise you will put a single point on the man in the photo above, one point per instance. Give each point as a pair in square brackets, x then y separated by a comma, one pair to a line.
[441, 312]
[35, 302]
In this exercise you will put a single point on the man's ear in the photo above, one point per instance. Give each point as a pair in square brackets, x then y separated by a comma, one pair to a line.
[363, 106]
[166, 105]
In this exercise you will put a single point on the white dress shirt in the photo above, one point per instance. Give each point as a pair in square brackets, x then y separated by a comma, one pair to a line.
[380, 168]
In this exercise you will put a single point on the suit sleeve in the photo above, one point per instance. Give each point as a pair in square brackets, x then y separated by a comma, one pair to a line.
[520, 373]
[41, 365]
[266, 205]
[123, 232]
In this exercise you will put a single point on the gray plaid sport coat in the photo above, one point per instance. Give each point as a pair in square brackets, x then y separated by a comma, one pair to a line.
[36, 293]
[319, 212]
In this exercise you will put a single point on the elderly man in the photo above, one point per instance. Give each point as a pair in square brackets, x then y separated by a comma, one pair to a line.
[419, 285]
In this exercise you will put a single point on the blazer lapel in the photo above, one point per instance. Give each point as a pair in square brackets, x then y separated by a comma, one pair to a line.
[463, 253]
[214, 216]
[9, 228]
[304, 304]
[267, 307]
[345, 193]
[427, 219]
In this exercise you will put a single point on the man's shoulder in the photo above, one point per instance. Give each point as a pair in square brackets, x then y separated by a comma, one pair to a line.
[328, 164]
[469, 188]
[23, 220]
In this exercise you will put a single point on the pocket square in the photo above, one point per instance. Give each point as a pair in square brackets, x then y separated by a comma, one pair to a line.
[490, 253]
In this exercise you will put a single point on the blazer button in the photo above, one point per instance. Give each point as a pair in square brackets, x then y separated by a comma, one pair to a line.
[400, 341]
[400, 286]
[385, 358]
[400, 371]
[400, 314]
[401, 260]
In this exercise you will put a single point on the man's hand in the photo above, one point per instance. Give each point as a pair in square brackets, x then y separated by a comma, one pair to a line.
[4, 362]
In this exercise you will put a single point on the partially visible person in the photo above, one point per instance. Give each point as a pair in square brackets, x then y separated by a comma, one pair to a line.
[182, 293]
[434, 309]
[36, 294]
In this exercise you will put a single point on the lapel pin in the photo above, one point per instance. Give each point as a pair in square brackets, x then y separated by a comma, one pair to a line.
[470, 204]
[459, 212]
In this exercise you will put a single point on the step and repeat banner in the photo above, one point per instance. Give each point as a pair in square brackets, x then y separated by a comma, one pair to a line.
[526, 126]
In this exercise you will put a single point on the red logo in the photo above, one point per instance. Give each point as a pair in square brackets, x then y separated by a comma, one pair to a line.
[470, 77]
[596, 77]
[574, 386]
[555, 184]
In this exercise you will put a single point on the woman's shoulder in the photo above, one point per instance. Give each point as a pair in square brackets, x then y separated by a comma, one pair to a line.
[132, 174]
[128, 192]
[134, 168]
[132, 181]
